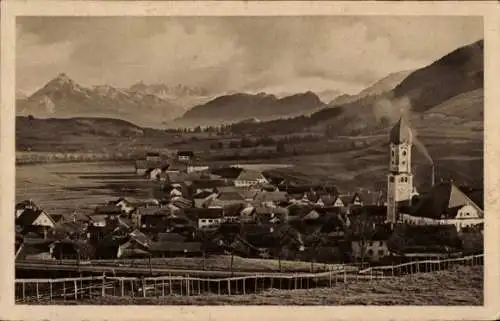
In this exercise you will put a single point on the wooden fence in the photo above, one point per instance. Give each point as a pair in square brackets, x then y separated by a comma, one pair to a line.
[74, 289]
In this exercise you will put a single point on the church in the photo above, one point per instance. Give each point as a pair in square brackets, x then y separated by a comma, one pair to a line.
[445, 204]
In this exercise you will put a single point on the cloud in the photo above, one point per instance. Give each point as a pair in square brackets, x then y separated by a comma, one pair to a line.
[235, 53]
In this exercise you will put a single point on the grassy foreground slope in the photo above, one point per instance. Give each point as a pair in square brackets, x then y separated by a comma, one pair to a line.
[459, 286]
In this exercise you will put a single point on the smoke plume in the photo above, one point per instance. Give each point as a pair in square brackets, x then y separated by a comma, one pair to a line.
[421, 148]
[390, 110]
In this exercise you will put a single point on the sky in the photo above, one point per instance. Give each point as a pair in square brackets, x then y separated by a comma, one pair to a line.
[221, 54]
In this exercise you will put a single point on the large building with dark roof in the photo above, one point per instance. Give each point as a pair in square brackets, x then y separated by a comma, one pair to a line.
[445, 204]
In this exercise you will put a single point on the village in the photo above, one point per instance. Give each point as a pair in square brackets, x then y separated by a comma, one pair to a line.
[237, 211]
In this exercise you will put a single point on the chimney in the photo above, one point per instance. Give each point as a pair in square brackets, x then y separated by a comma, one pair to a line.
[433, 174]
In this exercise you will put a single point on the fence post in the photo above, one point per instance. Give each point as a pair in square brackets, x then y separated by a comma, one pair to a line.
[24, 291]
[330, 276]
[188, 286]
[256, 284]
[76, 289]
[218, 287]
[170, 284]
[244, 287]
[103, 290]
[50, 285]
[132, 287]
[122, 288]
[228, 287]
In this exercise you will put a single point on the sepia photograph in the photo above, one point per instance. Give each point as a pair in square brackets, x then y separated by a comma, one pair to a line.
[249, 160]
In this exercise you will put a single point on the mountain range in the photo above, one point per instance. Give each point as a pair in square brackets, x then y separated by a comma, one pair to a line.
[453, 83]
[448, 89]
[145, 105]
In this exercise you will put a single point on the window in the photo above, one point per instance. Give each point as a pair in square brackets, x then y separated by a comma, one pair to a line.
[403, 162]
[370, 252]
[402, 179]
[404, 153]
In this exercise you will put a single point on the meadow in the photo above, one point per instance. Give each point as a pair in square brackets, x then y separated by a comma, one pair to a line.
[462, 286]
[60, 188]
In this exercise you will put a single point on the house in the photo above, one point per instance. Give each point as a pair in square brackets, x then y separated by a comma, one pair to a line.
[176, 249]
[338, 202]
[175, 192]
[198, 167]
[35, 249]
[326, 200]
[248, 214]
[154, 174]
[248, 194]
[73, 250]
[445, 204]
[371, 247]
[206, 218]
[69, 229]
[181, 202]
[98, 220]
[185, 155]
[35, 220]
[177, 167]
[248, 178]
[202, 198]
[109, 209]
[153, 157]
[144, 166]
[209, 185]
[226, 196]
[150, 217]
[270, 199]
[362, 217]
[232, 213]
[126, 206]
[136, 246]
[263, 214]
[169, 237]
[261, 239]
[25, 205]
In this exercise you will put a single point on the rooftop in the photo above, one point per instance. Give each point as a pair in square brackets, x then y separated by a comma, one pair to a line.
[400, 132]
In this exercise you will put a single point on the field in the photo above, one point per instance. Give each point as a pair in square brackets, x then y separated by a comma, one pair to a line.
[458, 286]
[63, 187]
[223, 263]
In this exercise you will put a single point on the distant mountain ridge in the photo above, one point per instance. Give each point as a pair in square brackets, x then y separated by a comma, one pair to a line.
[141, 103]
[457, 73]
[241, 106]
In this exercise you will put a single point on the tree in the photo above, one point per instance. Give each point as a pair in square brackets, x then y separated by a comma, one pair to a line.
[363, 232]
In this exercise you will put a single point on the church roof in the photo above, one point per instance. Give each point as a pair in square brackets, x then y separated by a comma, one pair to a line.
[400, 133]
[444, 199]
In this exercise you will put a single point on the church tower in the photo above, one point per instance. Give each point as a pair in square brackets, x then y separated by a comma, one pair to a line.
[400, 179]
